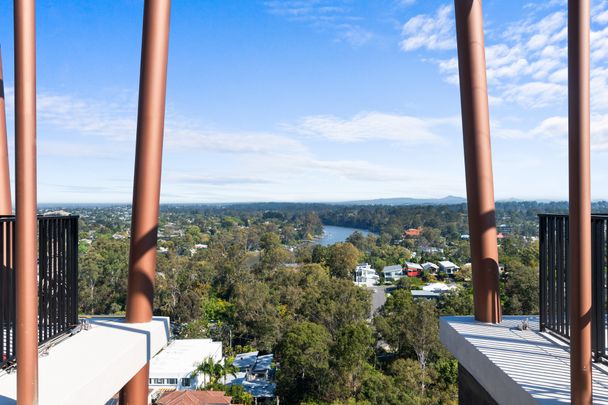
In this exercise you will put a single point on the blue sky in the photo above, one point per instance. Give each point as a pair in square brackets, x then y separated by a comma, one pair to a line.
[318, 100]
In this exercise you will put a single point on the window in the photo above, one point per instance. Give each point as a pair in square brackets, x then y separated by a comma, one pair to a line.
[185, 382]
[158, 381]
[172, 381]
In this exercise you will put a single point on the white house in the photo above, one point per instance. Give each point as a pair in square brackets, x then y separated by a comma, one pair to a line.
[448, 267]
[433, 290]
[365, 275]
[439, 287]
[393, 273]
[173, 367]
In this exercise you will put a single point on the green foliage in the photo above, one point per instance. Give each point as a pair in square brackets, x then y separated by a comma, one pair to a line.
[304, 356]
[456, 302]
[102, 286]
[238, 394]
[311, 315]
[273, 253]
[342, 258]
[520, 290]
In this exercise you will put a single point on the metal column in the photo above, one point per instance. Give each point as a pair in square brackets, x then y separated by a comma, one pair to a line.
[146, 188]
[478, 159]
[580, 201]
[25, 192]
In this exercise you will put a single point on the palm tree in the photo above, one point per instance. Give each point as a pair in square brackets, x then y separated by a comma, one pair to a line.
[229, 368]
[208, 367]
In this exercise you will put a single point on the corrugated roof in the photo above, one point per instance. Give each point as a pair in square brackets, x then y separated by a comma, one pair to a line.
[245, 360]
[194, 398]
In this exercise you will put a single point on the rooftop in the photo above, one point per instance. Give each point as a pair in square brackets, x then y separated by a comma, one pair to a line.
[182, 356]
[194, 398]
[516, 366]
[245, 360]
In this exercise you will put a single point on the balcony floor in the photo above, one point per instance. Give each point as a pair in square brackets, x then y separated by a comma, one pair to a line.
[91, 366]
[515, 366]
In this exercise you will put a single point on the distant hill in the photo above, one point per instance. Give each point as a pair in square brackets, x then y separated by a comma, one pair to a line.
[449, 200]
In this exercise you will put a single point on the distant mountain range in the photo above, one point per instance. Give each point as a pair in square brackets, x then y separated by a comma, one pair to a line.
[449, 200]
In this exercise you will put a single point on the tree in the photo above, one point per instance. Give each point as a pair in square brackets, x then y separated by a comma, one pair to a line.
[304, 356]
[256, 316]
[228, 368]
[209, 368]
[520, 290]
[350, 354]
[393, 319]
[423, 335]
[342, 258]
[410, 327]
[272, 253]
[456, 302]
[238, 394]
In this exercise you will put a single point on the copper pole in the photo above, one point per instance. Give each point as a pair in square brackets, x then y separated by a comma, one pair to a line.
[146, 188]
[5, 181]
[580, 201]
[478, 159]
[25, 192]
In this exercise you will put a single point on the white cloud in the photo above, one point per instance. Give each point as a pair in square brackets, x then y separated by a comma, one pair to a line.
[369, 126]
[215, 179]
[556, 128]
[433, 32]
[336, 16]
[526, 61]
[536, 94]
[552, 127]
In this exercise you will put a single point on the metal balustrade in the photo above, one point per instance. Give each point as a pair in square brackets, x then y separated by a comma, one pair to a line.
[57, 280]
[554, 278]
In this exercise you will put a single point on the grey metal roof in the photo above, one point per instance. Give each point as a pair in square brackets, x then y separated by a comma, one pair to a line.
[424, 294]
[264, 363]
[245, 360]
[260, 388]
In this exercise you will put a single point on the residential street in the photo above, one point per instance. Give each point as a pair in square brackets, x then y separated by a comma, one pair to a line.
[378, 297]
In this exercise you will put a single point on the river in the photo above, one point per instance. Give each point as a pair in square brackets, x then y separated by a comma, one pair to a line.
[335, 234]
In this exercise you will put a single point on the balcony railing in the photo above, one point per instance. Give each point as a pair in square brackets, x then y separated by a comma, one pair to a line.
[57, 280]
[554, 278]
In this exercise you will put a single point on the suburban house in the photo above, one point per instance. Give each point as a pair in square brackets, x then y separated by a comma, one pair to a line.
[431, 250]
[439, 287]
[412, 233]
[412, 269]
[366, 276]
[172, 368]
[448, 268]
[430, 267]
[433, 290]
[393, 273]
[256, 375]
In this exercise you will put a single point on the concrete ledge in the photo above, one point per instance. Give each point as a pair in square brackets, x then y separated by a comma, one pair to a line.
[91, 366]
[514, 366]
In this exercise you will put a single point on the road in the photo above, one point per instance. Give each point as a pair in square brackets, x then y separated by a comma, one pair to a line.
[378, 297]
